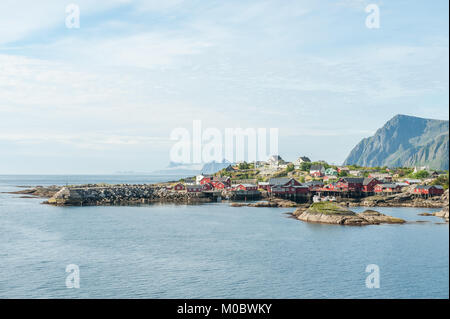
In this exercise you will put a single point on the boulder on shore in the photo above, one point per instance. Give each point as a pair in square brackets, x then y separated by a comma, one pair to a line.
[331, 213]
[445, 210]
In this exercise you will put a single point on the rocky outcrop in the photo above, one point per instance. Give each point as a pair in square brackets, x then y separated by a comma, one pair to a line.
[331, 213]
[39, 191]
[445, 210]
[122, 195]
[274, 202]
[375, 217]
[404, 199]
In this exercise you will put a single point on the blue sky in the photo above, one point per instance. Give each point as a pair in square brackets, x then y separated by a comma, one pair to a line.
[105, 97]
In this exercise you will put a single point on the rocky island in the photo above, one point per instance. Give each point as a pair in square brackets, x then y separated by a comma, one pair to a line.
[332, 213]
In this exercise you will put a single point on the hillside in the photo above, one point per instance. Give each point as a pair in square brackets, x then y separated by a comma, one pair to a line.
[405, 141]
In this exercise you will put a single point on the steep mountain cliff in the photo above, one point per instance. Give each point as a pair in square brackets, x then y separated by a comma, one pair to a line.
[405, 141]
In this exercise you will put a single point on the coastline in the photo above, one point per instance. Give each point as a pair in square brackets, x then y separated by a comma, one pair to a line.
[132, 195]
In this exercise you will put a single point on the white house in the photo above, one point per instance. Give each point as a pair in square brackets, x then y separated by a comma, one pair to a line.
[275, 161]
[300, 160]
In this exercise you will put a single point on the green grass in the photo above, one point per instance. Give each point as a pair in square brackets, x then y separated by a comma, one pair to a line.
[328, 208]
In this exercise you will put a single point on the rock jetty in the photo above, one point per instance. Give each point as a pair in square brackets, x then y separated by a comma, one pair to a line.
[331, 213]
[122, 195]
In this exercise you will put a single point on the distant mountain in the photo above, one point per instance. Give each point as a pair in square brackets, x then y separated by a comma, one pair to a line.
[180, 169]
[192, 169]
[405, 141]
[214, 167]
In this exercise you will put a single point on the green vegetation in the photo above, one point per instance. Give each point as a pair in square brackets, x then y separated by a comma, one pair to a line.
[441, 180]
[244, 165]
[290, 168]
[305, 166]
[420, 174]
[342, 174]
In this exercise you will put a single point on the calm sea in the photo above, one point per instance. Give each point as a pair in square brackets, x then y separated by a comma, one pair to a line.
[209, 251]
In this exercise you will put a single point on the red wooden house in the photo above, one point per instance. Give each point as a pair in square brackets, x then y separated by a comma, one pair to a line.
[433, 190]
[314, 185]
[245, 187]
[208, 187]
[332, 187]
[206, 180]
[179, 187]
[387, 188]
[369, 184]
[221, 182]
[286, 185]
[194, 188]
[219, 185]
[350, 184]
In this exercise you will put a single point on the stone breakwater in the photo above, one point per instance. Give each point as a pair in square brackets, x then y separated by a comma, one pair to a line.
[122, 195]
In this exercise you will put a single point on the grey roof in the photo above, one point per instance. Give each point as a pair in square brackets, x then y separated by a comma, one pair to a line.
[354, 180]
[389, 185]
[316, 167]
[313, 183]
[429, 186]
[279, 181]
[367, 180]
[193, 186]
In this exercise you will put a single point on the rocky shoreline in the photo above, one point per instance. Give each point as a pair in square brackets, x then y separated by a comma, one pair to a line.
[95, 195]
[126, 194]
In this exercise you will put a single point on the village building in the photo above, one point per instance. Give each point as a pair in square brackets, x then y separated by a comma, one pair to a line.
[369, 184]
[302, 159]
[411, 181]
[263, 185]
[431, 190]
[314, 185]
[208, 187]
[244, 187]
[190, 181]
[205, 180]
[343, 169]
[285, 185]
[200, 177]
[194, 188]
[384, 177]
[434, 174]
[421, 168]
[275, 161]
[387, 188]
[221, 182]
[331, 172]
[355, 173]
[317, 170]
[329, 178]
[350, 184]
[178, 187]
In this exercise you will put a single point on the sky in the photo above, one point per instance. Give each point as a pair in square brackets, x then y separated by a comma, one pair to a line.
[106, 96]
